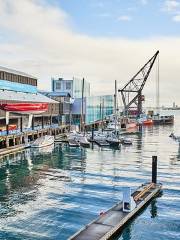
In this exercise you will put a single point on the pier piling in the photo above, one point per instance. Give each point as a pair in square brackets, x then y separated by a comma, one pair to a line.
[154, 169]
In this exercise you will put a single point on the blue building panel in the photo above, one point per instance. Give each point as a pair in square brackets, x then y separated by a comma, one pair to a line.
[17, 87]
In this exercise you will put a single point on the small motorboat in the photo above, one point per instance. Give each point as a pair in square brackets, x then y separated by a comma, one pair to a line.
[75, 139]
[126, 141]
[84, 142]
[73, 143]
[112, 139]
[43, 141]
[145, 120]
[113, 126]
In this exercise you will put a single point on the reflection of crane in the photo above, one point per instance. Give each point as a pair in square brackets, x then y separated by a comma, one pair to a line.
[132, 92]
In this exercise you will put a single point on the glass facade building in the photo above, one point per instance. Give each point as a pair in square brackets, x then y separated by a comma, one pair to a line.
[77, 88]
[95, 108]
[98, 107]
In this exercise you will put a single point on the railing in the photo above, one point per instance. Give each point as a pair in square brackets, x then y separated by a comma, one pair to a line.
[18, 131]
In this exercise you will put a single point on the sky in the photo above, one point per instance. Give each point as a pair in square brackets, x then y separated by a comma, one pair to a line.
[100, 40]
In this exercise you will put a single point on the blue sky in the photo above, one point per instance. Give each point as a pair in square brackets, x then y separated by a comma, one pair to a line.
[123, 18]
[100, 40]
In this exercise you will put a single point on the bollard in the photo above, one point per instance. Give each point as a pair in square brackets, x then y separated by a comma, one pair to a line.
[154, 169]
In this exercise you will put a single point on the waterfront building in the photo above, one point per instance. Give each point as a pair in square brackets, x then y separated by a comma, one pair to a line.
[20, 88]
[99, 107]
[64, 102]
[94, 107]
[72, 86]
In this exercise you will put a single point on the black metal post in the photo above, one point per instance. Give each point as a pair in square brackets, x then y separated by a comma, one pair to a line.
[21, 124]
[42, 122]
[154, 169]
[92, 137]
[33, 123]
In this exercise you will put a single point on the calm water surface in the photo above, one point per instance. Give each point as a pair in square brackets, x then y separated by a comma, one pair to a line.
[51, 193]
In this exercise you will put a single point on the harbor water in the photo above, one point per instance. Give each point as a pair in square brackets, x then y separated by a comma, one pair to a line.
[51, 193]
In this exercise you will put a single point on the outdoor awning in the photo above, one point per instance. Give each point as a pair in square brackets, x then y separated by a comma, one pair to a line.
[6, 95]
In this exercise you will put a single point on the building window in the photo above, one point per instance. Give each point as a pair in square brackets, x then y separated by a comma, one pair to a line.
[68, 85]
[58, 85]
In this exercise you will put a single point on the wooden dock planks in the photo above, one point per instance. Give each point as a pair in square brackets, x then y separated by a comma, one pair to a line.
[108, 224]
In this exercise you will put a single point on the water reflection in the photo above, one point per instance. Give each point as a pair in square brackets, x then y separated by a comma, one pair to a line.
[178, 155]
[126, 235]
[68, 187]
[153, 209]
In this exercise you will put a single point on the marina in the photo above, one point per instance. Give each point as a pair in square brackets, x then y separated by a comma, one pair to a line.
[69, 187]
[48, 133]
[89, 120]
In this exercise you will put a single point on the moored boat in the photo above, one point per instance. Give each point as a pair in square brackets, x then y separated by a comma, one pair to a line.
[43, 141]
[145, 120]
[126, 141]
[76, 139]
[73, 143]
[163, 119]
[84, 141]
[113, 142]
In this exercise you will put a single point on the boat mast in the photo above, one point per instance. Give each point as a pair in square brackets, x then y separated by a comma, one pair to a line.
[115, 106]
[82, 107]
[102, 114]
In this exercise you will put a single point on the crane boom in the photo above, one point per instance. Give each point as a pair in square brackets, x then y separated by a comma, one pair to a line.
[132, 92]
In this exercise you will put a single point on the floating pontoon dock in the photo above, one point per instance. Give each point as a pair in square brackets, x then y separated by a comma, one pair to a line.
[107, 225]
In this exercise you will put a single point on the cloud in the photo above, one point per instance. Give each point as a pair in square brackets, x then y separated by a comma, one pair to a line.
[176, 18]
[173, 8]
[144, 2]
[124, 18]
[43, 43]
[171, 5]
[99, 4]
[104, 15]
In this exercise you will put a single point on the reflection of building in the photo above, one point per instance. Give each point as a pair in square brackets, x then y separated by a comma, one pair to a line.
[18, 89]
